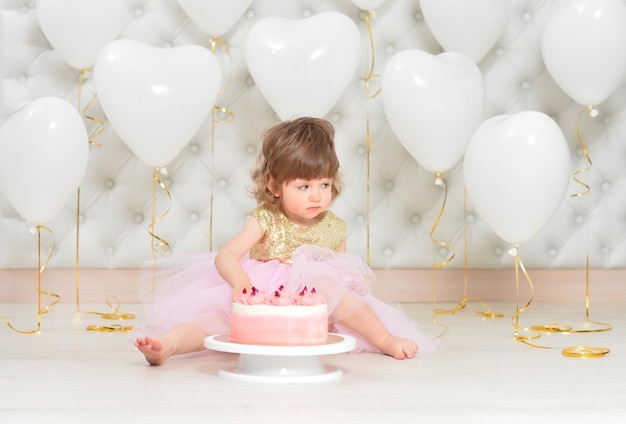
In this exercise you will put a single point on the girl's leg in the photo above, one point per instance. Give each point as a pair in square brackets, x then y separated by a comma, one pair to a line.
[184, 338]
[366, 323]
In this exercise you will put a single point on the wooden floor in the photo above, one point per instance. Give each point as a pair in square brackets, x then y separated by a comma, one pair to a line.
[481, 374]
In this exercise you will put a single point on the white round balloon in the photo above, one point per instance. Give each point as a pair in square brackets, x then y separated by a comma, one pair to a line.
[44, 150]
[517, 169]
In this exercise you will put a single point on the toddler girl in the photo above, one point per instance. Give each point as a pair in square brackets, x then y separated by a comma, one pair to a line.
[291, 239]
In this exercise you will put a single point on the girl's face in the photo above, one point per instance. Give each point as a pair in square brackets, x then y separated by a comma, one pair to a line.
[304, 200]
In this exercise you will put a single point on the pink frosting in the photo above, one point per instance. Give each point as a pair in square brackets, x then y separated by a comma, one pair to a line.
[280, 297]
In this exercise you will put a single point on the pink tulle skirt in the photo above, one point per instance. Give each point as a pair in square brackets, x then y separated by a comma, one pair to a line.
[188, 289]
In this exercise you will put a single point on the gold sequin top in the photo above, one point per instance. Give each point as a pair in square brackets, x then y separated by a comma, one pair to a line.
[282, 237]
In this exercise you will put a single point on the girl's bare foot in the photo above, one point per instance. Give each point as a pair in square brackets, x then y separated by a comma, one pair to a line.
[152, 349]
[398, 347]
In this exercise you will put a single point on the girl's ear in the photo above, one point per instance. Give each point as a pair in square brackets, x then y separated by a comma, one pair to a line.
[273, 187]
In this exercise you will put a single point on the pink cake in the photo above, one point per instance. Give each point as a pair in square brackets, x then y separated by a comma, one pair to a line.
[281, 318]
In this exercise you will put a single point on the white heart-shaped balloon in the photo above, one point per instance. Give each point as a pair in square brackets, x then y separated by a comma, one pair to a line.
[214, 17]
[517, 169]
[79, 29]
[433, 104]
[471, 27]
[156, 98]
[303, 66]
[584, 48]
[44, 149]
[368, 4]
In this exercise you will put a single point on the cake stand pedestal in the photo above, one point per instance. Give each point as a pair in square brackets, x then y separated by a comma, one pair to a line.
[281, 364]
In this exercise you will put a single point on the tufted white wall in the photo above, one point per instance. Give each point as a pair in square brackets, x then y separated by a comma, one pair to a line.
[208, 198]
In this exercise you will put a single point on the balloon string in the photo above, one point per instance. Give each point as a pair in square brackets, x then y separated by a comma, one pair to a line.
[589, 111]
[533, 333]
[100, 127]
[159, 245]
[600, 326]
[368, 133]
[441, 180]
[486, 312]
[215, 42]
[40, 269]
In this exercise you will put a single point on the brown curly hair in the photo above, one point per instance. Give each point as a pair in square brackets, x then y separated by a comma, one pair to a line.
[303, 148]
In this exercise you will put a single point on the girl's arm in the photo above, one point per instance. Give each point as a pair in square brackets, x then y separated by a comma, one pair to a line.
[227, 260]
[342, 249]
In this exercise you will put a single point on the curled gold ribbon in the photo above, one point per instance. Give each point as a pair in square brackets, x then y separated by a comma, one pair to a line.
[41, 310]
[100, 127]
[159, 245]
[589, 112]
[585, 352]
[581, 351]
[368, 145]
[535, 331]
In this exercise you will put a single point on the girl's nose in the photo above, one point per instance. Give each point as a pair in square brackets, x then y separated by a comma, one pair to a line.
[314, 195]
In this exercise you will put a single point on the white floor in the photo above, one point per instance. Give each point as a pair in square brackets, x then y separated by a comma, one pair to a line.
[480, 375]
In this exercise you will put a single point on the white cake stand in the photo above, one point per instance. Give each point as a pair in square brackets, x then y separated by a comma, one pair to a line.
[281, 364]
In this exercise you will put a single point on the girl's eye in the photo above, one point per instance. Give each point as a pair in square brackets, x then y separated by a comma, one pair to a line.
[303, 187]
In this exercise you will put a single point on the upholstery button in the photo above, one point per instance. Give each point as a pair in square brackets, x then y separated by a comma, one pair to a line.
[193, 217]
[388, 251]
[470, 218]
[389, 185]
[606, 120]
[250, 81]
[497, 252]
[361, 150]
[306, 13]
[527, 16]
[109, 251]
[418, 16]
[222, 183]
[525, 85]
[579, 219]
[390, 49]
[335, 117]
[81, 218]
[415, 219]
[250, 14]
[552, 253]
[360, 219]
[24, 9]
[167, 45]
[605, 186]
[250, 149]
[22, 78]
[443, 251]
[194, 148]
[605, 250]
[499, 51]
[109, 183]
[138, 11]
[138, 218]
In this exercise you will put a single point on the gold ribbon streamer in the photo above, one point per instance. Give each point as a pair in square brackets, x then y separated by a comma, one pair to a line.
[215, 42]
[159, 245]
[368, 145]
[40, 269]
[589, 111]
[533, 333]
[581, 351]
[100, 127]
